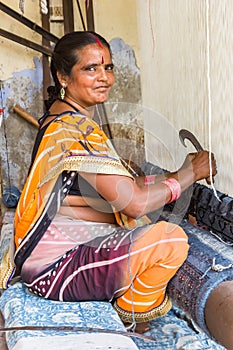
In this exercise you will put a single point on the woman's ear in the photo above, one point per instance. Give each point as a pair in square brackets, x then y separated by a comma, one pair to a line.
[62, 79]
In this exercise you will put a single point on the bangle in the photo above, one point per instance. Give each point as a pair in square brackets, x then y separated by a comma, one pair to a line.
[149, 179]
[174, 187]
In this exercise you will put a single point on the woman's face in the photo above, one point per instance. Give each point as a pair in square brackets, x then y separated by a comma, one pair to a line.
[92, 77]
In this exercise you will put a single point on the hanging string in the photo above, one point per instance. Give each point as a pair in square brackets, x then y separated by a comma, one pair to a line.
[133, 326]
[216, 268]
[100, 123]
[220, 239]
[151, 29]
[209, 94]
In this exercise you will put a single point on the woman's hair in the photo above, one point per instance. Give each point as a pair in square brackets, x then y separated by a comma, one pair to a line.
[66, 54]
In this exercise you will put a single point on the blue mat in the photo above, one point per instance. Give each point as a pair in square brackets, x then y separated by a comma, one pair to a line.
[173, 332]
[21, 308]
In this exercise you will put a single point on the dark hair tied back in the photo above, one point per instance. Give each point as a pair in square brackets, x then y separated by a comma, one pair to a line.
[66, 55]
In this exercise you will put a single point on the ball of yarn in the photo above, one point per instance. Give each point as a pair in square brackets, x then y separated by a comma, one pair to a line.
[10, 196]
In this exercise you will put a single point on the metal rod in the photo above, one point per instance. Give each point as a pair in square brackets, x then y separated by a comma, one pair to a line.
[47, 35]
[78, 329]
[25, 42]
[81, 15]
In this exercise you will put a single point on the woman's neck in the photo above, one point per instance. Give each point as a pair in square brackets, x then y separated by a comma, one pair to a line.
[88, 111]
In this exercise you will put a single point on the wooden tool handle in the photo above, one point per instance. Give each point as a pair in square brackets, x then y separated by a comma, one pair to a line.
[20, 111]
[209, 181]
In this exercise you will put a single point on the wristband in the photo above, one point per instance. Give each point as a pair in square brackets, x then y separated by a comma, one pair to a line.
[174, 187]
[149, 179]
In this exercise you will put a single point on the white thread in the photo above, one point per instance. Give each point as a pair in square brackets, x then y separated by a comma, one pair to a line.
[127, 165]
[133, 325]
[216, 268]
[205, 273]
[209, 94]
[219, 267]
[99, 117]
[220, 239]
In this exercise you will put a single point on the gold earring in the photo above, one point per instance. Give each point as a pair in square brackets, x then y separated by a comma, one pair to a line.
[62, 91]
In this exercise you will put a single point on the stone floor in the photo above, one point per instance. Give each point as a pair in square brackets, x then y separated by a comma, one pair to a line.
[3, 345]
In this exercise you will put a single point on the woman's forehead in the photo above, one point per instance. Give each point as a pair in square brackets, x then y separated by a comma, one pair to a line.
[94, 52]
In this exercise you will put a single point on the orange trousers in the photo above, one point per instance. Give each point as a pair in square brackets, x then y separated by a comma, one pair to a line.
[153, 260]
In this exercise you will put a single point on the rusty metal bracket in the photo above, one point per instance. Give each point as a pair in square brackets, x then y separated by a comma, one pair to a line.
[25, 42]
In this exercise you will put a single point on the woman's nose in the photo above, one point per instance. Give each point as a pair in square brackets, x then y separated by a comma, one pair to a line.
[103, 74]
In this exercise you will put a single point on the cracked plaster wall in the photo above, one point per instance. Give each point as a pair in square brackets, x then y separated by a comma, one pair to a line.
[124, 108]
[17, 135]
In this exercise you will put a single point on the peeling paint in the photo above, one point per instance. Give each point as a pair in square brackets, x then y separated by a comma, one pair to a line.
[17, 135]
[124, 105]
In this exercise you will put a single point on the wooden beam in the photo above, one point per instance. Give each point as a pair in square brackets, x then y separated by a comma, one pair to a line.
[68, 14]
[25, 115]
[90, 15]
[45, 58]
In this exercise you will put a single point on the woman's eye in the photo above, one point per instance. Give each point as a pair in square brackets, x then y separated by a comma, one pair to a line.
[109, 67]
[91, 69]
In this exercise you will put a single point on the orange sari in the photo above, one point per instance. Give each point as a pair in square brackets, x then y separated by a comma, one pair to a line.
[71, 143]
[132, 264]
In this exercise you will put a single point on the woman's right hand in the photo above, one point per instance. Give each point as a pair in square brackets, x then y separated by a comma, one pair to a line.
[199, 163]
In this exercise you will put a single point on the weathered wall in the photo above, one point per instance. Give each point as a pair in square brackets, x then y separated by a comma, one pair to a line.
[20, 83]
[124, 105]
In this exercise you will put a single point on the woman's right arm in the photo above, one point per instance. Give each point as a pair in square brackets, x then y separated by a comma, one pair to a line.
[136, 200]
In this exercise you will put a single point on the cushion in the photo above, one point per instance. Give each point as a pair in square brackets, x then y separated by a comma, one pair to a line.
[21, 308]
[7, 248]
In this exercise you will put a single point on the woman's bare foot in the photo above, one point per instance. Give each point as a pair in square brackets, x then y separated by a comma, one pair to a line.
[140, 328]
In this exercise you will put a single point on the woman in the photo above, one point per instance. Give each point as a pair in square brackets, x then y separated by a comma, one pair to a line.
[81, 229]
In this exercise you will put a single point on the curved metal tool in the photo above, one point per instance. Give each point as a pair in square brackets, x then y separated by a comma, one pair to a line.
[186, 134]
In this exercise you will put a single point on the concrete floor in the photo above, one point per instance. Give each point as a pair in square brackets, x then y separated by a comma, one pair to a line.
[3, 345]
